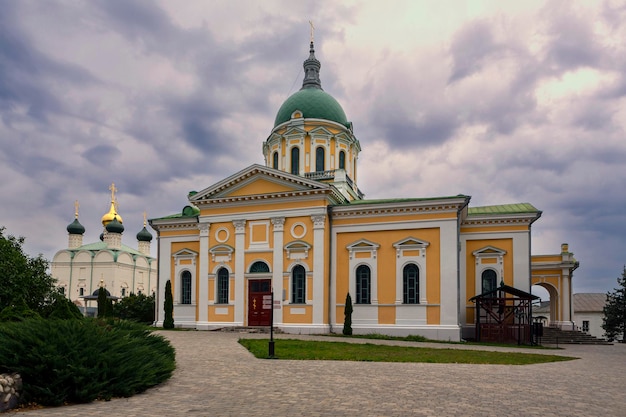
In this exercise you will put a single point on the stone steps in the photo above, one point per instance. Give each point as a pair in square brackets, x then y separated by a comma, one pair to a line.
[248, 329]
[554, 336]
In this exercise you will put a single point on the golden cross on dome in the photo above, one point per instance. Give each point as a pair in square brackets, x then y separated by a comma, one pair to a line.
[76, 205]
[312, 29]
[145, 218]
[113, 190]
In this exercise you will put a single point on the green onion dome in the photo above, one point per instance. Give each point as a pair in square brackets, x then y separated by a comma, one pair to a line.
[75, 228]
[114, 226]
[144, 235]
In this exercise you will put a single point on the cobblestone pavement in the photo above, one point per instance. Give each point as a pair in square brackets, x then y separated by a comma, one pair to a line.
[215, 376]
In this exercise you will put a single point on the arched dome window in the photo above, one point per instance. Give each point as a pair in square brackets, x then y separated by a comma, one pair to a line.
[295, 160]
[342, 160]
[319, 159]
[275, 160]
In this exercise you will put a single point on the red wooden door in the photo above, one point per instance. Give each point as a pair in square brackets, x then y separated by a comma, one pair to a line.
[258, 314]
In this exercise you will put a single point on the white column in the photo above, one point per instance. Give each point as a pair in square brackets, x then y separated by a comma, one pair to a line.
[240, 241]
[319, 222]
[277, 266]
[165, 259]
[203, 286]
[566, 318]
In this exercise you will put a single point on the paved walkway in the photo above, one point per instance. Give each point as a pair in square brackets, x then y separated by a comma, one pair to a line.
[215, 376]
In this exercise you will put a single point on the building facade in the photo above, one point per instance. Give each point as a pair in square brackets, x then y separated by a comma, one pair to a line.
[300, 227]
[81, 269]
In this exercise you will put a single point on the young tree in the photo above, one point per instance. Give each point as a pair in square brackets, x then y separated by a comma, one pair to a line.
[347, 313]
[614, 321]
[168, 323]
[23, 277]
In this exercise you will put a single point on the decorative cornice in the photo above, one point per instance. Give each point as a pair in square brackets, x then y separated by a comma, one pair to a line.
[378, 209]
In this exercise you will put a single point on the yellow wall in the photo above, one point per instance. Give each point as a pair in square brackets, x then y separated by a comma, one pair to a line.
[386, 261]
[470, 262]
[298, 318]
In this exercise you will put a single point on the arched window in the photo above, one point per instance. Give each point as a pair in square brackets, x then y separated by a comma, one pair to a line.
[342, 160]
[185, 288]
[275, 160]
[295, 160]
[222, 286]
[489, 280]
[298, 285]
[259, 267]
[411, 284]
[123, 292]
[363, 285]
[319, 159]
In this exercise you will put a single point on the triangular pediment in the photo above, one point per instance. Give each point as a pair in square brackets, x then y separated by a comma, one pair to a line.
[363, 244]
[185, 253]
[295, 131]
[411, 243]
[489, 251]
[321, 131]
[258, 180]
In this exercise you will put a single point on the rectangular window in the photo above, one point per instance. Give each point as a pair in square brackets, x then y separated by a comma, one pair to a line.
[586, 326]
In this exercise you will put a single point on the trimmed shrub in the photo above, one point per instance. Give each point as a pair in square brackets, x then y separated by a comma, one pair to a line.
[78, 361]
[168, 323]
[347, 313]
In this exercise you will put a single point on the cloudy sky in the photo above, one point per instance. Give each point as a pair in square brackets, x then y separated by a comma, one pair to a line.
[504, 101]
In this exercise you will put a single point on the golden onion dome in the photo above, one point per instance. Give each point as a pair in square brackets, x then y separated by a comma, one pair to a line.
[112, 214]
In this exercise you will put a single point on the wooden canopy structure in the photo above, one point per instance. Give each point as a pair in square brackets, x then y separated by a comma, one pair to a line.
[504, 315]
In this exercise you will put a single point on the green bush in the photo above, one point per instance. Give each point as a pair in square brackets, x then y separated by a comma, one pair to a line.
[61, 308]
[18, 311]
[78, 361]
[139, 308]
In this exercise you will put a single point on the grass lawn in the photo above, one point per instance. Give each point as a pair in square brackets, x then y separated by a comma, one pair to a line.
[342, 351]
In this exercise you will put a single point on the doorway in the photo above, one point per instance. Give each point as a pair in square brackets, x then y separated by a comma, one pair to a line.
[259, 313]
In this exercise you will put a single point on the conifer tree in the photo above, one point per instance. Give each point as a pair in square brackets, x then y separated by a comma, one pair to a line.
[614, 321]
[102, 302]
[347, 312]
[168, 323]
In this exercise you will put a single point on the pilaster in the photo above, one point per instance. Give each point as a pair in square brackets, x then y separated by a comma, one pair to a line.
[240, 241]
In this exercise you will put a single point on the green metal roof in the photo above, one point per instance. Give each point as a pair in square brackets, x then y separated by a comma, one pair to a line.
[314, 103]
[401, 200]
[103, 246]
[518, 208]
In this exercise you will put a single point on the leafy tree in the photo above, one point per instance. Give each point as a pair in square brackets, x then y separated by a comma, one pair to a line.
[23, 277]
[614, 321]
[139, 308]
[347, 313]
[168, 323]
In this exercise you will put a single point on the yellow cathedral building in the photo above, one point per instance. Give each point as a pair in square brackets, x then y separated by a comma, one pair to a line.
[299, 226]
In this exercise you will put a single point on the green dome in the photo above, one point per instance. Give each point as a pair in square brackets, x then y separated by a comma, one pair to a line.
[144, 235]
[115, 226]
[75, 228]
[314, 103]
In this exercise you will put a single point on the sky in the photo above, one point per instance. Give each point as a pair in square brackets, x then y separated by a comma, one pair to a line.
[507, 102]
